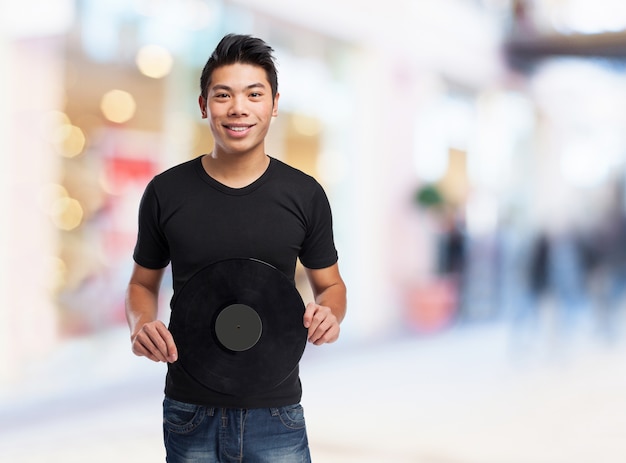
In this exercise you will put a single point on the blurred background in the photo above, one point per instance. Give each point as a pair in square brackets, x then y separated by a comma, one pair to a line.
[474, 155]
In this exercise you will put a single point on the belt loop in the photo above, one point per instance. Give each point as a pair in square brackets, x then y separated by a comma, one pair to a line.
[210, 411]
[274, 411]
[224, 418]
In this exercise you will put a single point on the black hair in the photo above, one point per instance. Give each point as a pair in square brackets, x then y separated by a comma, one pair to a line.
[234, 48]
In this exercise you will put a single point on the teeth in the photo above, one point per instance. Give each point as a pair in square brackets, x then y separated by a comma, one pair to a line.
[238, 129]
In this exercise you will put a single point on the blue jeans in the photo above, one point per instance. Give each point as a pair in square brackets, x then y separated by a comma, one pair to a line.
[199, 434]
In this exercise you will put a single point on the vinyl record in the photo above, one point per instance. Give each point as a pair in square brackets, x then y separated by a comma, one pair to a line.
[238, 326]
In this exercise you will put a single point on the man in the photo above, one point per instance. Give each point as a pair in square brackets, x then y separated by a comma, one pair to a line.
[234, 202]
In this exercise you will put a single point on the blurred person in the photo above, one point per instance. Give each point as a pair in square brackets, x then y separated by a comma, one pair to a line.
[452, 247]
[533, 291]
[539, 268]
[606, 264]
[568, 276]
[452, 258]
[555, 285]
[216, 207]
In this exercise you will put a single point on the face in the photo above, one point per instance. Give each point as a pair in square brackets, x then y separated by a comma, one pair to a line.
[239, 107]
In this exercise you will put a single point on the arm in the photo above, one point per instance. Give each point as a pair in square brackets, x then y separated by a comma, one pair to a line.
[322, 317]
[149, 336]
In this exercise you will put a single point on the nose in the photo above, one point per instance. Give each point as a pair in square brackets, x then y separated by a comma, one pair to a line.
[238, 106]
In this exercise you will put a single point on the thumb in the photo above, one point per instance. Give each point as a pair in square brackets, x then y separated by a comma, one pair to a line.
[172, 351]
[308, 314]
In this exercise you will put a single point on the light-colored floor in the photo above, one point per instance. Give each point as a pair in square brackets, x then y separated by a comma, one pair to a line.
[469, 395]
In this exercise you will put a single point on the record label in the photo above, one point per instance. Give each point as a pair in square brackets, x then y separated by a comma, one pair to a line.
[238, 327]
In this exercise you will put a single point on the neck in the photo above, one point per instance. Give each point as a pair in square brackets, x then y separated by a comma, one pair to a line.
[235, 171]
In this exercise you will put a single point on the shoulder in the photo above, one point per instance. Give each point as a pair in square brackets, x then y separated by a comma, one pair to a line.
[180, 170]
[294, 176]
[301, 188]
[176, 176]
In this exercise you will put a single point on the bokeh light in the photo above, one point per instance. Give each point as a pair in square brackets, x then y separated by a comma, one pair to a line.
[474, 156]
[154, 61]
[66, 213]
[118, 106]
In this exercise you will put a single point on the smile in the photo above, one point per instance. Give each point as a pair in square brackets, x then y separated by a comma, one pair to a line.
[238, 128]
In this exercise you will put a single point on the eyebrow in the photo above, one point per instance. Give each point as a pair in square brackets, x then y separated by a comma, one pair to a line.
[227, 88]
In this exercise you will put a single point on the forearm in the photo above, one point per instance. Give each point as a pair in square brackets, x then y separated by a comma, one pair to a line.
[141, 306]
[322, 318]
[334, 297]
[142, 297]
[149, 336]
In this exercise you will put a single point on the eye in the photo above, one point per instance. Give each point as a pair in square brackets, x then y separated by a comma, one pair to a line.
[256, 95]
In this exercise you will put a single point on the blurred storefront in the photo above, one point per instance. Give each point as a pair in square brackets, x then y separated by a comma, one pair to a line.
[448, 138]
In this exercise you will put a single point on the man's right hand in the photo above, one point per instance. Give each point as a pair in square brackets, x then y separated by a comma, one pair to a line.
[154, 341]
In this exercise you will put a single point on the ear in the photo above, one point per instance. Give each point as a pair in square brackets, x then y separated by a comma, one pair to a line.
[275, 106]
[202, 104]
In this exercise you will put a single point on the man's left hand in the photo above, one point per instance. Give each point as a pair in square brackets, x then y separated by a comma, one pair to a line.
[322, 324]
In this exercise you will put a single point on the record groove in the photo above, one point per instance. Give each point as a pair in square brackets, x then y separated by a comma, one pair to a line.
[238, 326]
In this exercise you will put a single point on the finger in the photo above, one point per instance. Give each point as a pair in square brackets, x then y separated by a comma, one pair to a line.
[143, 347]
[315, 329]
[324, 327]
[321, 323]
[325, 336]
[309, 312]
[315, 326]
[171, 350]
[156, 344]
[154, 338]
[149, 343]
[319, 332]
[141, 351]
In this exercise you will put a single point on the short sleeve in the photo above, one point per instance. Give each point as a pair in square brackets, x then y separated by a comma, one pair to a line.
[318, 250]
[151, 249]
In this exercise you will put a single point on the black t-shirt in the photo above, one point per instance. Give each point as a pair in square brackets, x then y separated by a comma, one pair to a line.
[190, 220]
